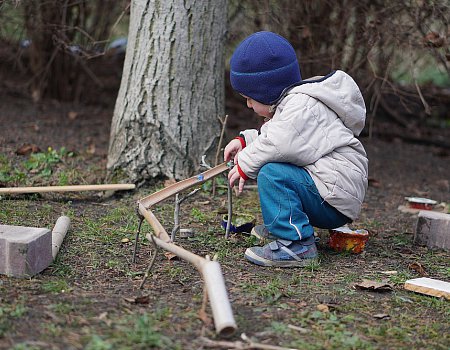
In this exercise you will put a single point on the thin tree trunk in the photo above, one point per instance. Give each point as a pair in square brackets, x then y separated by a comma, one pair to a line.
[172, 89]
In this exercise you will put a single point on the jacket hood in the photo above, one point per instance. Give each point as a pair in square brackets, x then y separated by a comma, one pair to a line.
[339, 92]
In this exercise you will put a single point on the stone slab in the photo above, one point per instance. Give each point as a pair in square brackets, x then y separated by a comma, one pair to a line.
[24, 251]
[433, 230]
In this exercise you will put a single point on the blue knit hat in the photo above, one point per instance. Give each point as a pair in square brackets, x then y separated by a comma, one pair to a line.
[262, 66]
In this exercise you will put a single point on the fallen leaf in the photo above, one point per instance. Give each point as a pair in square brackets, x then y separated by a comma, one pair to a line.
[373, 182]
[382, 316]
[72, 115]
[125, 240]
[418, 268]
[91, 149]
[297, 328]
[433, 39]
[374, 286]
[170, 256]
[323, 308]
[102, 316]
[144, 299]
[298, 304]
[36, 95]
[202, 315]
[27, 149]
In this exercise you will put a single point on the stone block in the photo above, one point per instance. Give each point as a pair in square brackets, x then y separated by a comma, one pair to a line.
[24, 251]
[433, 230]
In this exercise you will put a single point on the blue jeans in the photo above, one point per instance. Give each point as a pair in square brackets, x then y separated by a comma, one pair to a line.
[291, 204]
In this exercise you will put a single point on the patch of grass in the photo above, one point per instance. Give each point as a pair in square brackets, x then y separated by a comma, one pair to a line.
[42, 163]
[52, 330]
[98, 343]
[138, 332]
[351, 277]
[25, 346]
[198, 215]
[221, 185]
[8, 313]
[330, 329]
[270, 291]
[60, 268]
[176, 272]
[9, 174]
[55, 286]
[62, 308]
[400, 240]
[400, 278]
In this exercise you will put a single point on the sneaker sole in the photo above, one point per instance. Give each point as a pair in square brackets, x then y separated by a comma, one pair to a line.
[256, 259]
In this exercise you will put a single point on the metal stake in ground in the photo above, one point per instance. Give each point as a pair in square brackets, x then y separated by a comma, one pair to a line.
[176, 213]
[230, 203]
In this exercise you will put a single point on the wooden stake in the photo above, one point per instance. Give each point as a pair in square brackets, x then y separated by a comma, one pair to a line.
[73, 188]
[429, 286]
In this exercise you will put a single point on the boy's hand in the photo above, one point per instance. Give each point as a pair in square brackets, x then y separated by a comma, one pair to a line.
[234, 175]
[231, 150]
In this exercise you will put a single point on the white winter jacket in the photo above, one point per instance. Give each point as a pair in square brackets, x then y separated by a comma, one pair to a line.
[314, 126]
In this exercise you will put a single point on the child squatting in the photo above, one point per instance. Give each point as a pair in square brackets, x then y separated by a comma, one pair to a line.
[310, 167]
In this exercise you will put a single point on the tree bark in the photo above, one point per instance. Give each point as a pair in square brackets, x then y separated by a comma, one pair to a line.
[172, 89]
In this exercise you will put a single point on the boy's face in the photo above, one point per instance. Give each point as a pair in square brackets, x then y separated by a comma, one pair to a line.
[259, 108]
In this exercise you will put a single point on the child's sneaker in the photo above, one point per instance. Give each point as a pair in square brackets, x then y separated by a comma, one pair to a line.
[284, 253]
[261, 232]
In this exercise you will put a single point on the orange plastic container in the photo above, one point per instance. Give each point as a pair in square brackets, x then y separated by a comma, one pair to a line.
[346, 239]
[421, 203]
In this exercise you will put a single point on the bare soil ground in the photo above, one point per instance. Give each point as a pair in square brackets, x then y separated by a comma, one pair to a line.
[89, 298]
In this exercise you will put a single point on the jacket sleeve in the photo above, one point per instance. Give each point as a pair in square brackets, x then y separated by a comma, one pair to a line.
[249, 135]
[292, 136]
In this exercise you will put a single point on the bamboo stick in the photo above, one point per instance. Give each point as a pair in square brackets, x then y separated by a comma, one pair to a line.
[210, 270]
[72, 188]
[215, 285]
[58, 233]
[182, 185]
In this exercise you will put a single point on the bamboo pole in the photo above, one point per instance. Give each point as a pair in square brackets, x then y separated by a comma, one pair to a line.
[72, 188]
[58, 234]
[215, 285]
[169, 191]
[210, 270]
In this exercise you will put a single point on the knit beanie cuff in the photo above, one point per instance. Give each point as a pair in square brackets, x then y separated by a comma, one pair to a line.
[266, 87]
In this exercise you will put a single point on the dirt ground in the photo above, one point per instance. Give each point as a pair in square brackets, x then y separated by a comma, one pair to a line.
[89, 298]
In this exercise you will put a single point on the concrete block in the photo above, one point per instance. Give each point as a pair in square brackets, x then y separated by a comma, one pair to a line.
[433, 230]
[24, 251]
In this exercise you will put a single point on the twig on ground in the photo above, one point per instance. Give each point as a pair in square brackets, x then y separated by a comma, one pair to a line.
[202, 312]
[176, 213]
[219, 149]
[204, 164]
[152, 262]
[247, 344]
[136, 239]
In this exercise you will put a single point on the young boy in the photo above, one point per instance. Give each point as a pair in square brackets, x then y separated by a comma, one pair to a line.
[310, 167]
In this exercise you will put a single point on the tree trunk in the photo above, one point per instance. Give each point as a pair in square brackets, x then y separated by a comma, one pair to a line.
[172, 89]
